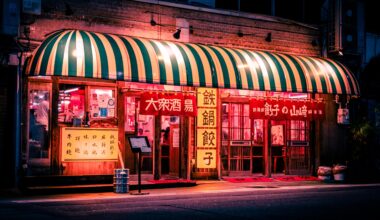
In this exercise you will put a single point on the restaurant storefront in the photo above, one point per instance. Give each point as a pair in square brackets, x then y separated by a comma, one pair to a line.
[207, 111]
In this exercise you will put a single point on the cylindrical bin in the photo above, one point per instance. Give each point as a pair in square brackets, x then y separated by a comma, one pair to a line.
[324, 173]
[339, 172]
[121, 181]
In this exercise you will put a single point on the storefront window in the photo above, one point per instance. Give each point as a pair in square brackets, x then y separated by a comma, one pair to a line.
[225, 125]
[146, 127]
[39, 123]
[102, 103]
[71, 104]
[130, 114]
[240, 122]
[258, 131]
[299, 130]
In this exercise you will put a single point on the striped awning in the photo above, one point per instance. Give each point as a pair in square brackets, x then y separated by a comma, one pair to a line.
[106, 56]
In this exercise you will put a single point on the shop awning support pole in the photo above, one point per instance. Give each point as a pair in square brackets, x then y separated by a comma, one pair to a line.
[267, 149]
[18, 125]
[157, 147]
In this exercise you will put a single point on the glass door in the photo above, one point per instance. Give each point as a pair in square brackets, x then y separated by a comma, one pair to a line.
[236, 139]
[39, 129]
[298, 150]
[258, 146]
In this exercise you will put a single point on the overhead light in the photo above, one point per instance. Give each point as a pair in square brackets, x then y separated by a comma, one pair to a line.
[71, 90]
[268, 38]
[191, 29]
[78, 53]
[340, 53]
[177, 34]
[153, 22]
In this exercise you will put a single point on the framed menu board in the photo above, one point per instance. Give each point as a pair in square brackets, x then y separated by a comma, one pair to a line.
[89, 144]
[139, 144]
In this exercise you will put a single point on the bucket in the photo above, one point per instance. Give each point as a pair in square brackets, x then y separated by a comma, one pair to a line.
[324, 173]
[121, 181]
[339, 172]
[339, 177]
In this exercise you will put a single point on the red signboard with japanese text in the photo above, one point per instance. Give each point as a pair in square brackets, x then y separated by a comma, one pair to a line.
[168, 104]
[286, 109]
[189, 105]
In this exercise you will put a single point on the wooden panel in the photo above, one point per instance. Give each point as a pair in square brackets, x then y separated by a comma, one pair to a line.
[89, 168]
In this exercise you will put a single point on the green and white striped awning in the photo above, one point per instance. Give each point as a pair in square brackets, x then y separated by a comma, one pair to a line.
[107, 56]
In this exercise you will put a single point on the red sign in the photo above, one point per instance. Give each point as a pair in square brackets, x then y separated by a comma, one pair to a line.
[286, 109]
[168, 104]
[189, 105]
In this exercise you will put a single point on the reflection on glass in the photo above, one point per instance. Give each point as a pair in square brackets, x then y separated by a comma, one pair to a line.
[299, 130]
[102, 103]
[258, 131]
[39, 124]
[146, 126]
[71, 103]
[130, 114]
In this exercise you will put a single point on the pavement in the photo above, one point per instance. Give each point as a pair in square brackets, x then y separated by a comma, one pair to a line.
[201, 187]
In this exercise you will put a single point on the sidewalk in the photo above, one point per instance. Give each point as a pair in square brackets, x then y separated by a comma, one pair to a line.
[104, 186]
[202, 187]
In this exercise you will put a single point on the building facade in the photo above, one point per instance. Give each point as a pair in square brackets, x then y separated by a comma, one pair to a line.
[216, 93]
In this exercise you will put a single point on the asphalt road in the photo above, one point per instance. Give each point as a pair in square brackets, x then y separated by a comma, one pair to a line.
[359, 202]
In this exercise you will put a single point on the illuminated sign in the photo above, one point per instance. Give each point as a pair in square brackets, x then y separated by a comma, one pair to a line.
[207, 120]
[286, 109]
[206, 158]
[206, 97]
[89, 144]
[206, 138]
[168, 104]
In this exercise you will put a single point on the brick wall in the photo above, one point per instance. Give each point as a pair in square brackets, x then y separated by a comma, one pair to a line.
[210, 26]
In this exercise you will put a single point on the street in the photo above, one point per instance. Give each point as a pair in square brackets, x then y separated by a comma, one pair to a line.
[244, 202]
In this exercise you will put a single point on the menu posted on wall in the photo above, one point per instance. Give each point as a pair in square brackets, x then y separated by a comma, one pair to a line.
[89, 144]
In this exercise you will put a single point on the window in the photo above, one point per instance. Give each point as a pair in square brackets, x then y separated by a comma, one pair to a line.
[39, 118]
[102, 103]
[71, 106]
[299, 130]
[258, 131]
[236, 124]
[130, 114]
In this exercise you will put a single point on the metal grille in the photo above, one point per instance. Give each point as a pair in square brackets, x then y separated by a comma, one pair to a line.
[298, 160]
[298, 157]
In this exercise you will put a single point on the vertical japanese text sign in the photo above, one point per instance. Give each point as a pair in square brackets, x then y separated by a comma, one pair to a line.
[206, 127]
[206, 158]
